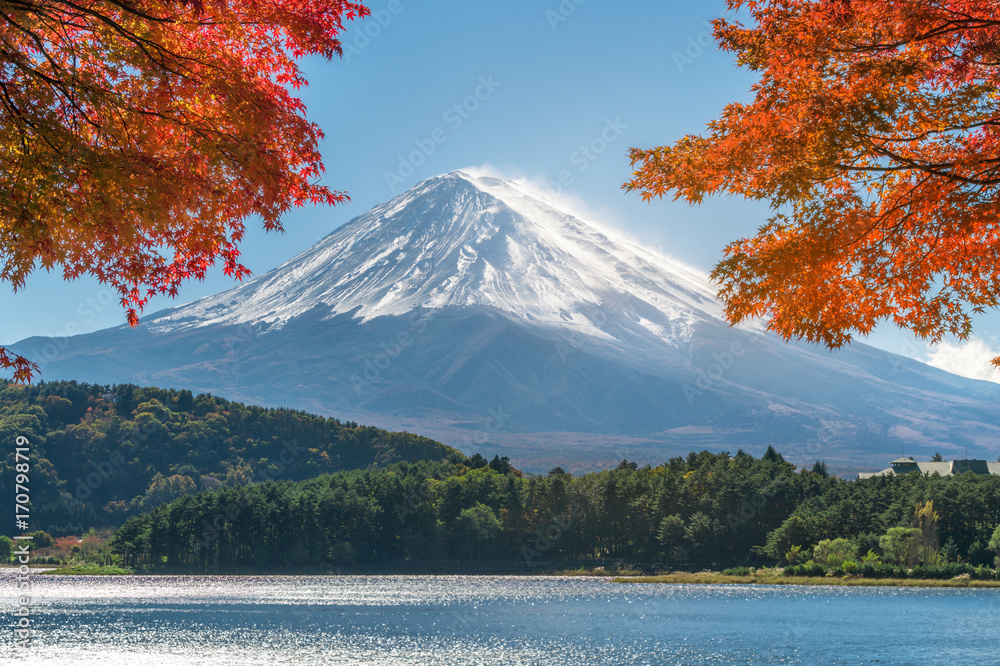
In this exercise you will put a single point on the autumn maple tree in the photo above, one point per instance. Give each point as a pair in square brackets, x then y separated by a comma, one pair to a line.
[874, 134]
[139, 137]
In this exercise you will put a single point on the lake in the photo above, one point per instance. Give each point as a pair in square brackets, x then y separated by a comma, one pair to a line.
[495, 620]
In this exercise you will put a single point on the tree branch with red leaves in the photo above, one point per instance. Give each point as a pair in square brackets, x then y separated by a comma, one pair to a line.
[139, 137]
[874, 133]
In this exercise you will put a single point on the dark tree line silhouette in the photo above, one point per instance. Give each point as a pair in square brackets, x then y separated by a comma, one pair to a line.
[103, 453]
[708, 509]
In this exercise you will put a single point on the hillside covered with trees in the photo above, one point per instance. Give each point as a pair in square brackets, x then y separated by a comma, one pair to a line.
[706, 510]
[102, 453]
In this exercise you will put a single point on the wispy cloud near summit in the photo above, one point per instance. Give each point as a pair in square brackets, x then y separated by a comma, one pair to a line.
[968, 359]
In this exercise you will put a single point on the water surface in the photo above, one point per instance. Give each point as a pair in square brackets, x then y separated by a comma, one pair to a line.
[497, 620]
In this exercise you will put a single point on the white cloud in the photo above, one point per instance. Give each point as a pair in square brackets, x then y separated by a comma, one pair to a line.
[605, 220]
[968, 359]
[560, 197]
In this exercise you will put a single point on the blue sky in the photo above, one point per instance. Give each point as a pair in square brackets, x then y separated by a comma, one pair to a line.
[535, 88]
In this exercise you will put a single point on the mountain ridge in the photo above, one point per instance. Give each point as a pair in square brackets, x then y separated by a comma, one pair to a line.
[475, 246]
[473, 310]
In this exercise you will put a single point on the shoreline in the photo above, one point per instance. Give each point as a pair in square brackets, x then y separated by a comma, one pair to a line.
[117, 570]
[618, 577]
[827, 581]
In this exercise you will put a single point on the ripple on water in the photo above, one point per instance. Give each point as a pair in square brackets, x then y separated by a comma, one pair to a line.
[496, 620]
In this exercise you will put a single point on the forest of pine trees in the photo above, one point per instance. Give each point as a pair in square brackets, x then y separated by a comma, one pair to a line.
[103, 453]
[705, 510]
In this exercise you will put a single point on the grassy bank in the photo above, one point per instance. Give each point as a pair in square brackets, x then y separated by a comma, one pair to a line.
[596, 571]
[714, 578]
[88, 570]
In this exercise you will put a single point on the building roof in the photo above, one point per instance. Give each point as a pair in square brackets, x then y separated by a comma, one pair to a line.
[868, 475]
[945, 468]
[978, 466]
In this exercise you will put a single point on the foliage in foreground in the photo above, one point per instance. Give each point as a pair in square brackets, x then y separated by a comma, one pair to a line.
[871, 131]
[137, 138]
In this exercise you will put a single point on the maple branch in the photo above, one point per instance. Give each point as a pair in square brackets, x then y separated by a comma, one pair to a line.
[948, 27]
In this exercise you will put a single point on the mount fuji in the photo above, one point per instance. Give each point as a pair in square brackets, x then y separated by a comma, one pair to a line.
[474, 310]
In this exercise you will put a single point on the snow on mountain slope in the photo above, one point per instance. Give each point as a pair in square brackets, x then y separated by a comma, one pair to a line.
[474, 310]
[463, 240]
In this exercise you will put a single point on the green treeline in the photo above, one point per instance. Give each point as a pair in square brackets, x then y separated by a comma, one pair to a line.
[874, 513]
[102, 453]
[704, 510]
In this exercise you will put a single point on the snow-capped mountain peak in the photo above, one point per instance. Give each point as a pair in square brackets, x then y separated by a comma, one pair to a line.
[532, 330]
[465, 240]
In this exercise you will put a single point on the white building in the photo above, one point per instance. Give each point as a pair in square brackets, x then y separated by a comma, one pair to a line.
[946, 468]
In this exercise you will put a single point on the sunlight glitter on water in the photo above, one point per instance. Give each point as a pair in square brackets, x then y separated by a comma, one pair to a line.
[493, 620]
